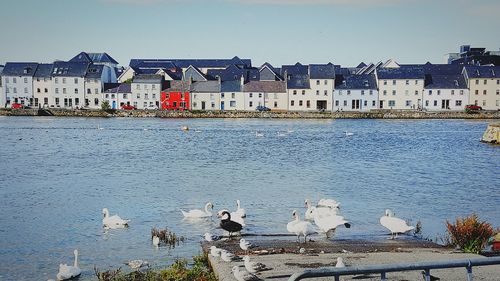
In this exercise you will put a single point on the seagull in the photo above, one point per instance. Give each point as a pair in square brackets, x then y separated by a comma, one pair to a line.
[394, 224]
[254, 267]
[243, 275]
[245, 245]
[137, 264]
[211, 237]
[340, 262]
[227, 256]
[215, 252]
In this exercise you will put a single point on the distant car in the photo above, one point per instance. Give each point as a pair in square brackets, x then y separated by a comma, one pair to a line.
[262, 108]
[152, 107]
[473, 107]
[128, 107]
[16, 106]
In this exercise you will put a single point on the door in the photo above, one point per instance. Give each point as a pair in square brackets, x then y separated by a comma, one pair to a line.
[222, 105]
[445, 104]
[202, 105]
[114, 105]
[381, 104]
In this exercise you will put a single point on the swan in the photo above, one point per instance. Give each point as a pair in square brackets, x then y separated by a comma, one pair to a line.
[239, 211]
[328, 220]
[214, 251]
[330, 203]
[394, 224]
[156, 240]
[348, 134]
[299, 227]
[228, 225]
[137, 264]
[185, 128]
[243, 275]
[68, 271]
[234, 216]
[211, 237]
[257, 134]
[280, 134]
[254, 267]
[199, 213]
[245, 245]
[310, 210]
[113, 221]
[340, 262]
[227, 256]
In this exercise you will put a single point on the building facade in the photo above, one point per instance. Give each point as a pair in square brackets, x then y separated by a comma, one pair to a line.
[484, 86]
[206, 95]
[42, 86]
[445, 92]
[176, 96]
[118, 96]
[146, 91]
[400, 87]
[356, 93]
[17, 81]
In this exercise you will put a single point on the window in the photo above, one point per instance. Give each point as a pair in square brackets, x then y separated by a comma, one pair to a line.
[498, 102]
[57, 90]
[365, 103]
[15, 90]
[303, 92]
[14, 80]
[25, 90]
[393, 82]
[7, 80]
[89, 91]
[64, 80]
[56, 80]
[138, 87]
[477, 92]
[477, 82]
[96, 91]
[373, 103]
[154, 96]
[371, 92]
[385, 82]
[407, 93]
[498, 82]
[76, 91]
[106, 96]
[145, 104]
[221, 95]
[232, 95]
[77, 101]
[435, 103]
[294, 92]
[452, 92]
[300, 103]
[385, 93]
[38, 90]
[317, 92]
[57, 101]
[408, 103]
[461, 92]
[485, 81]
[407, 82]
[336, 103]
[416, 82]
[498, 92]
[146, 96]
[326, 82]
[260, 95]
[76, 82]
[308, 104]
[393, 92]
[64, 90]
[153, 87]
[348, 92]
[430, 92]
[250, 104]
[484, 92]
[326, 93]
[458, 103]
[7, 90]
[292, 103]
[251, 95]
[426, 103]
[45, 90]
[484, 103]
[25, 80]
[439, 92]
[275, 104]
[345, 103]
[362, 92]
[392, 103]
[145, 86]
[124, 96]
[135, 104]
[317, 82]
[138, 95]
[232, 103]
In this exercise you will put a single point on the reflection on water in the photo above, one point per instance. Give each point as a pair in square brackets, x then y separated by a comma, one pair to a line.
[58, 174]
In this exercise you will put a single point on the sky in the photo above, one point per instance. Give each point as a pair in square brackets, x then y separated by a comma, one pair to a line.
[344, 32]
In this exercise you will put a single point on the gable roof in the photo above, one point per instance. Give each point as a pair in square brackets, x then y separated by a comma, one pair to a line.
[184, 63]
[451, 81]
[230, 86]
[274, 71]
[356, 82]
[442, 69]
[193, 73]
[94, 58]
[322, 71]
[94, 71]
[44, 70]
[206, 87]
[178, 86]
[233, 72]
[148, 78]
[403, 72]
[481, 71]
[70, 69]
[124, 88]
[19, 69]
[297, 76]
[265, 87]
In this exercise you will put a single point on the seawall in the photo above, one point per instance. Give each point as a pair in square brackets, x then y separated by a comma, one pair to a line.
[378, 114]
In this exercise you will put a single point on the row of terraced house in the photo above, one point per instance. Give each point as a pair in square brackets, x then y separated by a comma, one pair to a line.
[89, 79]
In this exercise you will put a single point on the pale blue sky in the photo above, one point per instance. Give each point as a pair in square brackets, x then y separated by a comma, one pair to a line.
[279, 31]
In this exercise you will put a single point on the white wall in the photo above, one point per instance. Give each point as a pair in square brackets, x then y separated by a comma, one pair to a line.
[42, 88]
[458, 99]
[233, 101]
[401, 93]
[488, 101]
[60, 83]
[211, 100]
[253, 99]
[368, 99]
[146, 95]
[276, 101]
[18, 87]
[306, 99]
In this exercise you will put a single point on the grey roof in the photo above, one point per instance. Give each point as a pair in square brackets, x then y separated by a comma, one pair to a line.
[443, 69]
[297, 76]
[234, 72]
[124, 88]
[322, 71]
[94, 58]
[403, 72]
[265, 87]
[230, 86]
[178, 86]
[70, 69]
[19, 69]
[184, 63]
[480, 71]
[437, 81]
[44, 70]
[205, 87]
[356, 82]
[94, 71]
[148, 78]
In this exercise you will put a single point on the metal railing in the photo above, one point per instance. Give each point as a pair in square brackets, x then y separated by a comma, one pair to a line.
[384, 269]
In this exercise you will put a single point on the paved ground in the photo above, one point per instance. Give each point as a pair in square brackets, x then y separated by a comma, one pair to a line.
[282, 255]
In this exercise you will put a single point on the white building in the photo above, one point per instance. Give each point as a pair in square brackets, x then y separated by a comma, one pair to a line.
[146, 91]
[400, 87]
[95, 79]
[356, 93]
[17, 82]
[232, 96]
[271, 94]
[68, 82]
[446, 92]
[119, 96]
[2, 95]
[206, 95]
[484, 86]
[42, 86]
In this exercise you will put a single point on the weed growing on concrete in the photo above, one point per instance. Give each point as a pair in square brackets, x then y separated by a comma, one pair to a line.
[469, 233]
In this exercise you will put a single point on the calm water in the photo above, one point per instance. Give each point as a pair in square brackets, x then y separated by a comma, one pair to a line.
[58, 174]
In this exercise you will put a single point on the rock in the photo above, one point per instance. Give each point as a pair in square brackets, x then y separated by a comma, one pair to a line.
[492, 134]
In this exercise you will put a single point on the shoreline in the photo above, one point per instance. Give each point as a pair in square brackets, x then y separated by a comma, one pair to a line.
[378, 114]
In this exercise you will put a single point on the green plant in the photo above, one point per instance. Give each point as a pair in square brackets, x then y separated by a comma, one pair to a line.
[469, 233]
[105, 105]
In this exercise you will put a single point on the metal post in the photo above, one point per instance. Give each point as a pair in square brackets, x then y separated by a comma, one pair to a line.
[427, 275]
[337, 277]
[469, 271]
[383, 277]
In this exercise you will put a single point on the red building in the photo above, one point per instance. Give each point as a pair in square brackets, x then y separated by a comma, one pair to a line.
[176, 97]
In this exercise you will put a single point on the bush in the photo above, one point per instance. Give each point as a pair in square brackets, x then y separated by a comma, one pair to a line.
[470, 234]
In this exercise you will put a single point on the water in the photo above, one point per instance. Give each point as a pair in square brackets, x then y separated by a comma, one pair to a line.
[58, 173]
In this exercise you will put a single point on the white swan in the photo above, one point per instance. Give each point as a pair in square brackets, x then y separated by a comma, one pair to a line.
[214, 251]
[243, 275]
[280, 134]
[199, 213]
[245, 245]
[257, 134]
[310, 210]
[254, 267]
[68, 271]
[234, 216]
[340, 262]
[348, 134]
[328, 220]
[330, 203]
[113, 221]
[239, 211]
[156, 241]
[394, 224]
[300, 228]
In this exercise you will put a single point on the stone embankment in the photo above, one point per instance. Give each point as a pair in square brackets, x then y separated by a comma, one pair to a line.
[377, 114]
[492, 134]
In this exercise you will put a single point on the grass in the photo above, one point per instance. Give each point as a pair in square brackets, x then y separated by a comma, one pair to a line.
[469, 233]
[180, 270]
